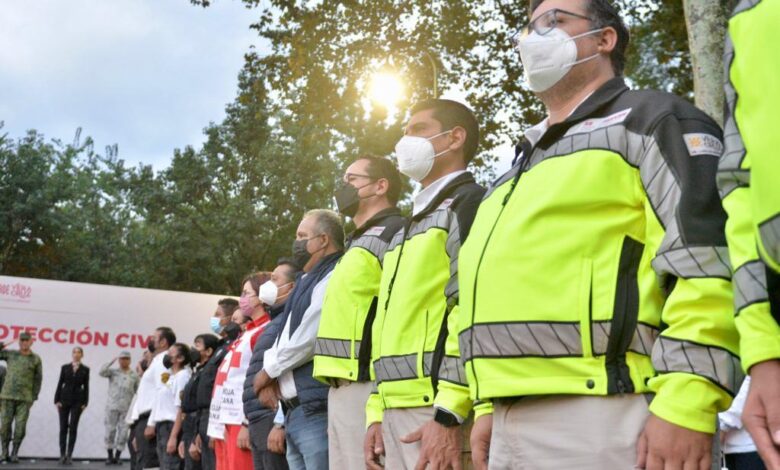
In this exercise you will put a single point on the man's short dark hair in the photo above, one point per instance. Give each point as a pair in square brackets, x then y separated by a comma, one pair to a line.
[452, 114]
[383, 168]
[603, 14]
[228, 306]
[292, 269]
[167, 334]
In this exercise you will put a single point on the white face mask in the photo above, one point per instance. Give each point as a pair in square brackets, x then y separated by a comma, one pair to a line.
[415, 155]
[268, 293]
[547, 59]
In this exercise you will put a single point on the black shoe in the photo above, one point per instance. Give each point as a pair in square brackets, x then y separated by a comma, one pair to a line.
[61, 461]
[13, 459]
[117, 453]
[110, 459]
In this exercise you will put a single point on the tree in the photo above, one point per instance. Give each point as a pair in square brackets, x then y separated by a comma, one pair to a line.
[706, 26]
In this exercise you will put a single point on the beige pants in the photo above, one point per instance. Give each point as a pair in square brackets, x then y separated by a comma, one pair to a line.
[396, 424]
[347, 425]
[567, 432]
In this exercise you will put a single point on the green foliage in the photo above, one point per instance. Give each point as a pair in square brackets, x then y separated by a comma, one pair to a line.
[299, 117]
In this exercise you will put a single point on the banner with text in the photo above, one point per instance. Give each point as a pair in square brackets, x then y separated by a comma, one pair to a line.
[103, 320]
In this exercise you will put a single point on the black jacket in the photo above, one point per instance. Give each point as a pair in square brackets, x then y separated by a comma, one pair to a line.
[73, 388]
[208, 375]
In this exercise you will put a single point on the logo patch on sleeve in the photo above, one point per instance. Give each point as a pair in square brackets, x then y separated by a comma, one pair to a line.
[703, 144]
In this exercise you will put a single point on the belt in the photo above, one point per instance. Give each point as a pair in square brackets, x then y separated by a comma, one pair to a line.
[291, 404]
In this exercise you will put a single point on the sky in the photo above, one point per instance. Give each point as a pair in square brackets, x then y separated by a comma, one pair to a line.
[147, 75]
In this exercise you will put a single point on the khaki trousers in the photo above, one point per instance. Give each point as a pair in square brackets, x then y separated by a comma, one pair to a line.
[396, 424]
[347, 425]
[567, 432]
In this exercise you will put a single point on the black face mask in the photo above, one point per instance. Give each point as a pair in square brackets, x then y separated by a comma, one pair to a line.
[194, 356]
[151, 346]
[300, 254]
[167, 361]
[348, 199]
[232, 330]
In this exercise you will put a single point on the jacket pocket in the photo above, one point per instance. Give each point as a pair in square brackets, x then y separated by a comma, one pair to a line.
[585, 303]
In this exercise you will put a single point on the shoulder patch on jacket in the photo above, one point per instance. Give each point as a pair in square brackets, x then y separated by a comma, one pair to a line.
[593, 124]
[375, 231]
[703, 144]
[445, 203]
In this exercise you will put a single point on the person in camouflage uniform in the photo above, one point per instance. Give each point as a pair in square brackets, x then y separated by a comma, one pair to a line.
[122, 385]
[21, 388]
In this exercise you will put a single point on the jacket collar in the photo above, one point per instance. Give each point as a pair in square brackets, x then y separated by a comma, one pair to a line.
[375, 220]
[445, 192]
[606, 94]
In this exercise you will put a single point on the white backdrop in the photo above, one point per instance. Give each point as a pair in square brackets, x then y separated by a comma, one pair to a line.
[104, 320]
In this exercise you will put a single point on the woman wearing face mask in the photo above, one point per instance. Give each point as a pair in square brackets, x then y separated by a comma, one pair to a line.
[166, 416]
[202, 350]
[262, 429]
[233, 452]
[220, 323]
[71, 399]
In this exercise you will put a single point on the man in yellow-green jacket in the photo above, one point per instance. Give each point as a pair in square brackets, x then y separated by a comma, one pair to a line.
[749, 182]
[595, 302]
[418, 290]
[368, 196]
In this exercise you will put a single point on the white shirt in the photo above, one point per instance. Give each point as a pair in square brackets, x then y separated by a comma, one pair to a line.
[231, 408]
[168, 400]
[147, 388]
[736, 438]
[291, 351]
[535, 133]
[425, 196]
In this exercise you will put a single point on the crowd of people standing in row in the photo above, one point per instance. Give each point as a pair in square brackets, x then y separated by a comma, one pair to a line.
[593, 308]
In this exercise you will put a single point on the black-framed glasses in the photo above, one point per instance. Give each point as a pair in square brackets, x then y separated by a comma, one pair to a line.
[350, 176]
[545, 23]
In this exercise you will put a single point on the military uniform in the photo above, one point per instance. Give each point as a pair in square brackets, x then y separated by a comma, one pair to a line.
[121, 388]
[21, 388]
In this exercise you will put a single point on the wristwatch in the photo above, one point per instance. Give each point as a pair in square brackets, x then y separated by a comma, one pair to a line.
[445, 418]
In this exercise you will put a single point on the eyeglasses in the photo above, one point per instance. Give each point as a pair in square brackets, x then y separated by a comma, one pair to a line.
[351, 176]
[544, 23]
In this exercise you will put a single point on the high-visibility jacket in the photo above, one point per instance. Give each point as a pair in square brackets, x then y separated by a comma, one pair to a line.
[418, 288]
[343, 347]
[749, 175]
[598, 264]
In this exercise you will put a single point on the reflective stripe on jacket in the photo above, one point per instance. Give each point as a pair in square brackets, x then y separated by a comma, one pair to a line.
[749, 176]
[598, 264]
[343, 348]
[418, 283]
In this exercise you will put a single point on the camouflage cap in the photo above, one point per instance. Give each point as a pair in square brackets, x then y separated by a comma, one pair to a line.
[124, 355]
[24, 336]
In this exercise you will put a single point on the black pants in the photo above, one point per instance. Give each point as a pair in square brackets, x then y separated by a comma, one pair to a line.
[208, 460]
[167, 461]
[189, 431]
[69, 425]
[746, 461]
[258, 436]
[147, 450]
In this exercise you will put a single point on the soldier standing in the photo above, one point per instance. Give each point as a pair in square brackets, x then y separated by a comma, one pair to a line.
[21, 388]
[122, 384]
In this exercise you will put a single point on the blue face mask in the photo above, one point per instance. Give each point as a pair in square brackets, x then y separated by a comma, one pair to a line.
[215, 326]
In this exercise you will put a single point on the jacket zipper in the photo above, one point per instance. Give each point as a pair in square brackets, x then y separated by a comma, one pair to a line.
[482, 255]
